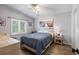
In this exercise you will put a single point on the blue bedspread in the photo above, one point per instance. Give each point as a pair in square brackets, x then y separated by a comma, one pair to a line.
[37, 41]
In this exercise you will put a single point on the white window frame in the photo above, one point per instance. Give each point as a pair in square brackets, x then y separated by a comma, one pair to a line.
[24, 27]
[19, 30]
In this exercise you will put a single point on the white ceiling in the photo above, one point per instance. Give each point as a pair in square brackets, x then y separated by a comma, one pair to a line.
[55, 8]
[59, 8]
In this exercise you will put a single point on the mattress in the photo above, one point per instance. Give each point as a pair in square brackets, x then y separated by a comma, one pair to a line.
[37, 41]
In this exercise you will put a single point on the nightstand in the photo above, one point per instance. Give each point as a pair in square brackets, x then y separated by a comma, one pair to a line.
[58, 38]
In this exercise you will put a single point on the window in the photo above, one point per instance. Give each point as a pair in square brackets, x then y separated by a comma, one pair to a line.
[18, 26]
[14, 26]
[22, 26]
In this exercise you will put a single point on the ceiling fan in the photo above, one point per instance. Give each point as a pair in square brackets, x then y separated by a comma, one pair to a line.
[35, 8]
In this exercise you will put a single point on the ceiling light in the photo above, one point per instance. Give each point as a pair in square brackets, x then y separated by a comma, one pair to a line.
[35, 8]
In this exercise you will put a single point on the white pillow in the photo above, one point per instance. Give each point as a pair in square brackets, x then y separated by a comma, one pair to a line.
[43, 31]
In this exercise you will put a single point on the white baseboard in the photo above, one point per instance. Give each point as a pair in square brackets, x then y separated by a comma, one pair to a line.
[68, 44]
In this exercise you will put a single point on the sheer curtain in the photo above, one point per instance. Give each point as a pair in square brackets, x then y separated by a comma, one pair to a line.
[75, 27]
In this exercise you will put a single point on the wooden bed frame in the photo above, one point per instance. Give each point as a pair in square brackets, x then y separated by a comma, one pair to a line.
[33, 50]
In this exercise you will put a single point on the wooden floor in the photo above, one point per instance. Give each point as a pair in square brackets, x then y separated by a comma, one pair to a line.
[54, 49]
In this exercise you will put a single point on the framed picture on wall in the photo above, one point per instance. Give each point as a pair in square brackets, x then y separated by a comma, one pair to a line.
[42, 24]
[2, 21]
[30, 23]
[46, 23]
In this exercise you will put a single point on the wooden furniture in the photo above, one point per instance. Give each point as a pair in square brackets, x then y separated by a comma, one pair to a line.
[58, 38]
[9, 46]
[33, 50]
[36, 43]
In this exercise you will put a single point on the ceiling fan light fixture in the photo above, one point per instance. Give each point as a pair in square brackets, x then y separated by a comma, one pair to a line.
[34, 5]
[35, 8]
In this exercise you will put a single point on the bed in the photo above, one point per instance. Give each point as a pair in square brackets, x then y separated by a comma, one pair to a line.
[36, 42]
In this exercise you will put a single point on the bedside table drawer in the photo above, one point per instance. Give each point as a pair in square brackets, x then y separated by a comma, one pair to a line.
[58, 40]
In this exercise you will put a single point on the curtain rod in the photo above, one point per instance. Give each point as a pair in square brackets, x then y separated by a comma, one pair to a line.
[18, 18]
